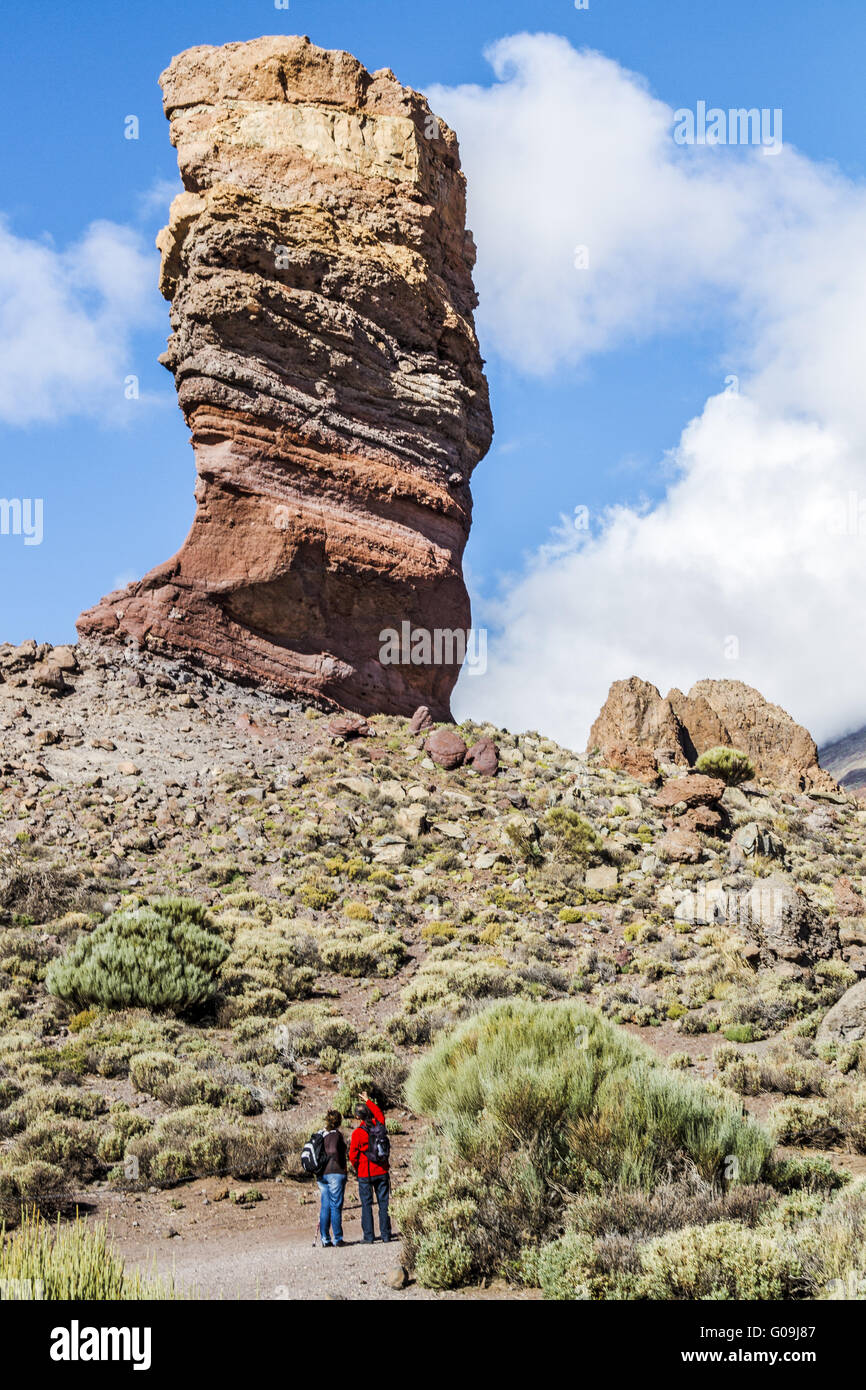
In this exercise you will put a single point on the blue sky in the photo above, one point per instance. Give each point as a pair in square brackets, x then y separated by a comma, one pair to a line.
[593, 426]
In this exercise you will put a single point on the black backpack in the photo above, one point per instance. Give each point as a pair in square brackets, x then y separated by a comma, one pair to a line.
[378, 1145]
[313, 1156]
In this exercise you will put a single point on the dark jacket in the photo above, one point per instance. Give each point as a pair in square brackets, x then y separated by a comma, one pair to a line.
[360, 1144]
[335, 1148]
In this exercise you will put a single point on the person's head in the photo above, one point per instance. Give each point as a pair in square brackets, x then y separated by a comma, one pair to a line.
[333, 1119]
[363, 1114]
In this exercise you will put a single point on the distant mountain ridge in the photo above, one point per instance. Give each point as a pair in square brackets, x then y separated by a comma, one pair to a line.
[845, 759]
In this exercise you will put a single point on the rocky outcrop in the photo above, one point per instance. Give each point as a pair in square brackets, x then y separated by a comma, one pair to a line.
[635, 715]
[714, 713]
[320, 277]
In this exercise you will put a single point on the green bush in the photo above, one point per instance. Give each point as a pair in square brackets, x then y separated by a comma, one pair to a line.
[538, 1100]
[729, 764]
[70, 1263]
[574, 837]
[30, 1185]
[380, 953]
[162, 958]
[199, 1142]
[722, 1261]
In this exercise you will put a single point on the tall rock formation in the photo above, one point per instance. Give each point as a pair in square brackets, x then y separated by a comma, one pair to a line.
[323, 347]
[714, 713]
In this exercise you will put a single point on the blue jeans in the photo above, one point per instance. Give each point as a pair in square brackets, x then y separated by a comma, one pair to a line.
[332, 1188]
[380, 1188]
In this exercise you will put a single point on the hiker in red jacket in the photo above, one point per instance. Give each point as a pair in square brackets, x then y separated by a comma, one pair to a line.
[373, 1178]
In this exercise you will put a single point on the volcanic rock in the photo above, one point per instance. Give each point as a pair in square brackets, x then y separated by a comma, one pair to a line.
[483, 756]
[635, 713]
[347, 726]
[707, 819]
[785, 924]
[846, 1021]
[680, 846]
[715, 713]
[446, 748]
[693, 790]
[420, 720]
[639, 763]
[323, 347]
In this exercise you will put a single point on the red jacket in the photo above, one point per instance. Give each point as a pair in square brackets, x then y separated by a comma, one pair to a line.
[359, 1144]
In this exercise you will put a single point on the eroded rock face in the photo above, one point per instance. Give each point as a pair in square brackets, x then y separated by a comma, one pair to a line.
[634, 713]
[714, 713]
[323, 347]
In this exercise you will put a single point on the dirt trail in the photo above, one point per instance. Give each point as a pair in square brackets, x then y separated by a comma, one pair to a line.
[220, 1249]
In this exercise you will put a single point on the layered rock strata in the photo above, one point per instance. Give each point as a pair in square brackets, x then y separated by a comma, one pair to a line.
[323, 347]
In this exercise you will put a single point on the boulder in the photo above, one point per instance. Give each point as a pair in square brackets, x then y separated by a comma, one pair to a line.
[785, 924]
[348, 726]
[846, 1021]
[754, 839]
[692, 790]
[420, 720]
[483, 757]
[446, 749]
[605, 876]
[706, 820]
[636, 762]
[680, 847]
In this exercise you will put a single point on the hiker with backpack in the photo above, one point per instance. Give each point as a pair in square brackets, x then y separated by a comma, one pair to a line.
[325, 1155]
[369, 1152]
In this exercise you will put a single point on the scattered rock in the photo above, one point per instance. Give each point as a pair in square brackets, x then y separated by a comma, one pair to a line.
[691, 790]
[483, 756]
[421, 720]
[446, 748]
[680, 846]
[846, 1021]
[605, 876]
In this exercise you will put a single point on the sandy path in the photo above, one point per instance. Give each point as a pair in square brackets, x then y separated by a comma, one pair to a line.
[216, 1248]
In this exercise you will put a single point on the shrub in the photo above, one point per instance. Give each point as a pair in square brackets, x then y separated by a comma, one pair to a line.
[542, 1099]
[574, 837]
[378, 1073]
[722, 1261]
[381, 953]
[30, 1185]
[68, 1144]
[199, 1141]
[155, 957]
[729, 764]
[70, 1263]
[810, 1173]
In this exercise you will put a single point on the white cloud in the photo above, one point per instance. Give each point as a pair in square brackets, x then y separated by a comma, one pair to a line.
[67, 320]
[568, 148]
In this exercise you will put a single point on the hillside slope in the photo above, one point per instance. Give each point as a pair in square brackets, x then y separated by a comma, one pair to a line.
[369, 899]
